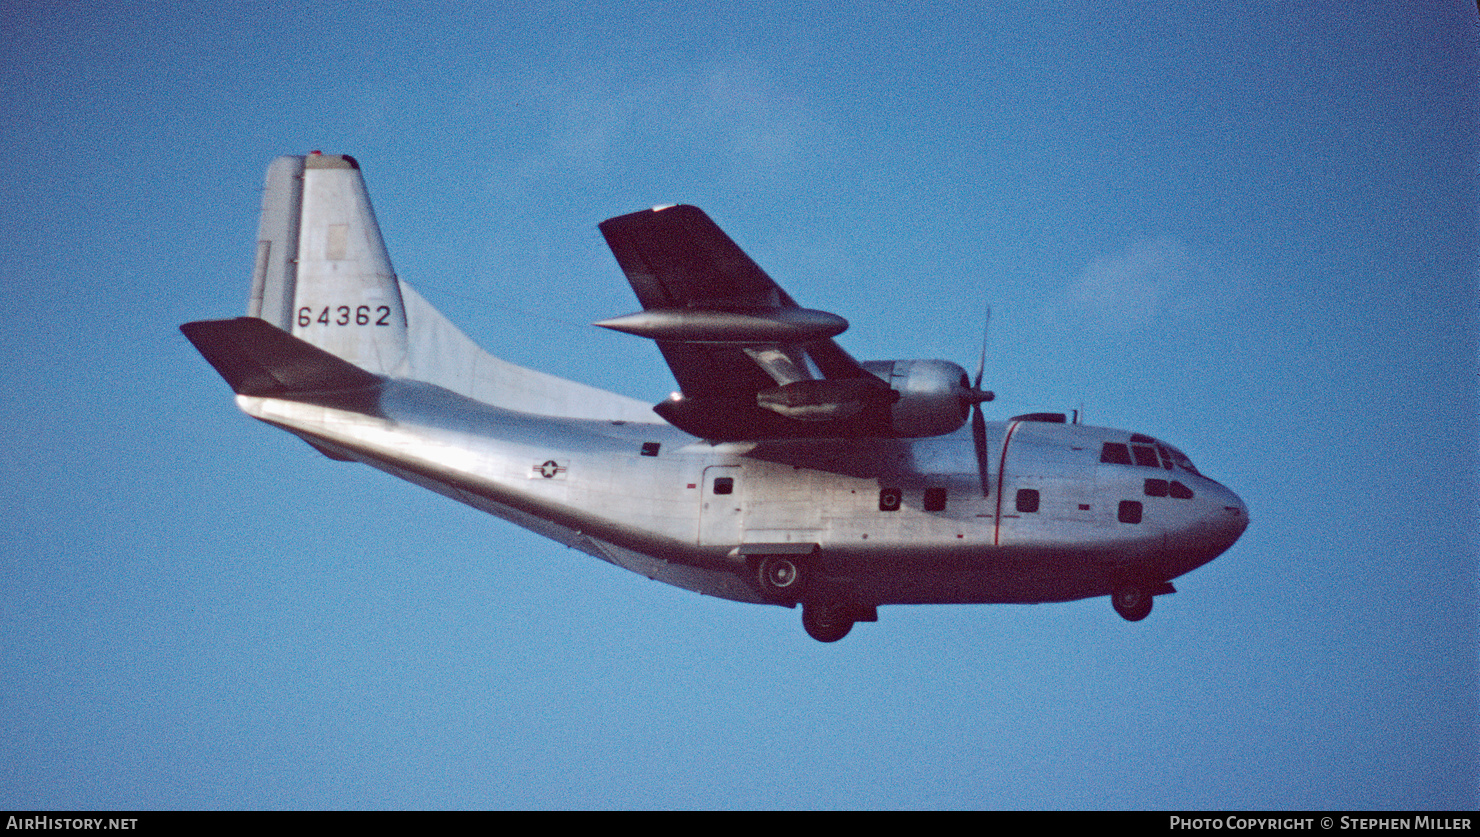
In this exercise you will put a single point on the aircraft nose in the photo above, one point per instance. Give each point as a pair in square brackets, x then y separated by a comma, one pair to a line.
[1220, 518]
[1233, 516]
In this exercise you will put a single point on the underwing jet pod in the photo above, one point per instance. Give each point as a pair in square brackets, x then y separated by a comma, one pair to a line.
[782, 472]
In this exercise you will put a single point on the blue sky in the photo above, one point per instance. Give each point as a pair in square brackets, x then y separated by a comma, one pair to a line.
[1249, 229]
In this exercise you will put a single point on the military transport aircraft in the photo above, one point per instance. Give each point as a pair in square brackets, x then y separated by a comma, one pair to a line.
[782, 472]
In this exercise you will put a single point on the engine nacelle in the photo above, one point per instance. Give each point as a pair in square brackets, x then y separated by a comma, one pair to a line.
[934, 395]
[903, 399]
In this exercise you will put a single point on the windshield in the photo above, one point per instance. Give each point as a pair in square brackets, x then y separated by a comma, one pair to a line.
[1178, 458]
[1147, 453]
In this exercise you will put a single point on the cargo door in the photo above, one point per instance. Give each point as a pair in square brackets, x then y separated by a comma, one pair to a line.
[722, 506]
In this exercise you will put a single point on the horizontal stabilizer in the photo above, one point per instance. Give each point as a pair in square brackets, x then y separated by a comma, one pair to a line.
[257, 358]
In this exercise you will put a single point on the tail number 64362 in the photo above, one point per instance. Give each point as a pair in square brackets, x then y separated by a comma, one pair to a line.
[343, 315]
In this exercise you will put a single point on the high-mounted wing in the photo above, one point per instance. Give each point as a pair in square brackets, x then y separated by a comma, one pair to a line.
[750, 362]
[676, 257]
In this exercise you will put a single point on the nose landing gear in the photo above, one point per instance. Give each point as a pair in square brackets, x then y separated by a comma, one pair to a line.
[826, 621]
[1132, 600]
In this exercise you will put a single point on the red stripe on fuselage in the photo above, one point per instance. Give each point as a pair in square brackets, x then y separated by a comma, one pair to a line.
[1001, 471]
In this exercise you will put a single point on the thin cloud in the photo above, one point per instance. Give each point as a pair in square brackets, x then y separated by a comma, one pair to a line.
[734, 109]
[1140, 285]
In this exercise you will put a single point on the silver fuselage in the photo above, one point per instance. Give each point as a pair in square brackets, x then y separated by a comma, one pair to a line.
[885, 521]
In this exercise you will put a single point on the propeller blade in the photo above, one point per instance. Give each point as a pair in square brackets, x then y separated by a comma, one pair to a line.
[979, 435]
[981, 362]
[978, 421]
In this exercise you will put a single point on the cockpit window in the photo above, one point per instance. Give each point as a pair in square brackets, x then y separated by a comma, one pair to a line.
[1153, 454]
[1166, 456]
[1146, 455]
[1181, 461]
[1162, 488]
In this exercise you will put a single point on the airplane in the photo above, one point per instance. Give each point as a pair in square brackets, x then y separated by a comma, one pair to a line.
[782, 472]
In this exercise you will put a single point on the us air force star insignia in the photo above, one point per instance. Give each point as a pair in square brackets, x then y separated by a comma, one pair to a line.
[549, 469]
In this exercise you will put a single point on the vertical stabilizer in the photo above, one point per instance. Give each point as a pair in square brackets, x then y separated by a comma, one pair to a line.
[322, 272]
[323, 275]
[347, 301]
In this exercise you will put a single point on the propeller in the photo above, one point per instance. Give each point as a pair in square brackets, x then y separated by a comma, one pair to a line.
[975, 397]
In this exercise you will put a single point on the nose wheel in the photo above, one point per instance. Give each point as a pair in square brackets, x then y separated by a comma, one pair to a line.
[1132, 601]
[826, 622]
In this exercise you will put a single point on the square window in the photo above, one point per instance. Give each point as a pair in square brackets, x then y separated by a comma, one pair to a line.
[651, 448]
[1027, 500]
[1130, 511]
[724, 485]
[935, 499]
[1156, 488]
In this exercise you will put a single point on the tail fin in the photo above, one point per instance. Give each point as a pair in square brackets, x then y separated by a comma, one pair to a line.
[322, 274]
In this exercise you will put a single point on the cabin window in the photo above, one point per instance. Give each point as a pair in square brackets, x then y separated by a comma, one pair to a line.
[889, 499]
[724, 485]
[1115, 453]
[1027, 500]
[935, 499]
[1130, 511]
[1180, 491]
[1156, 488]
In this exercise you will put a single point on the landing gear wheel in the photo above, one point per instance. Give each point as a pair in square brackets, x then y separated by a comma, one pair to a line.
[781, 575]
[826, 622]
[1132, 601]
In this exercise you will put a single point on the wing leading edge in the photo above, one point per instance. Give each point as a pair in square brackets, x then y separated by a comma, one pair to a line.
[750, 363]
